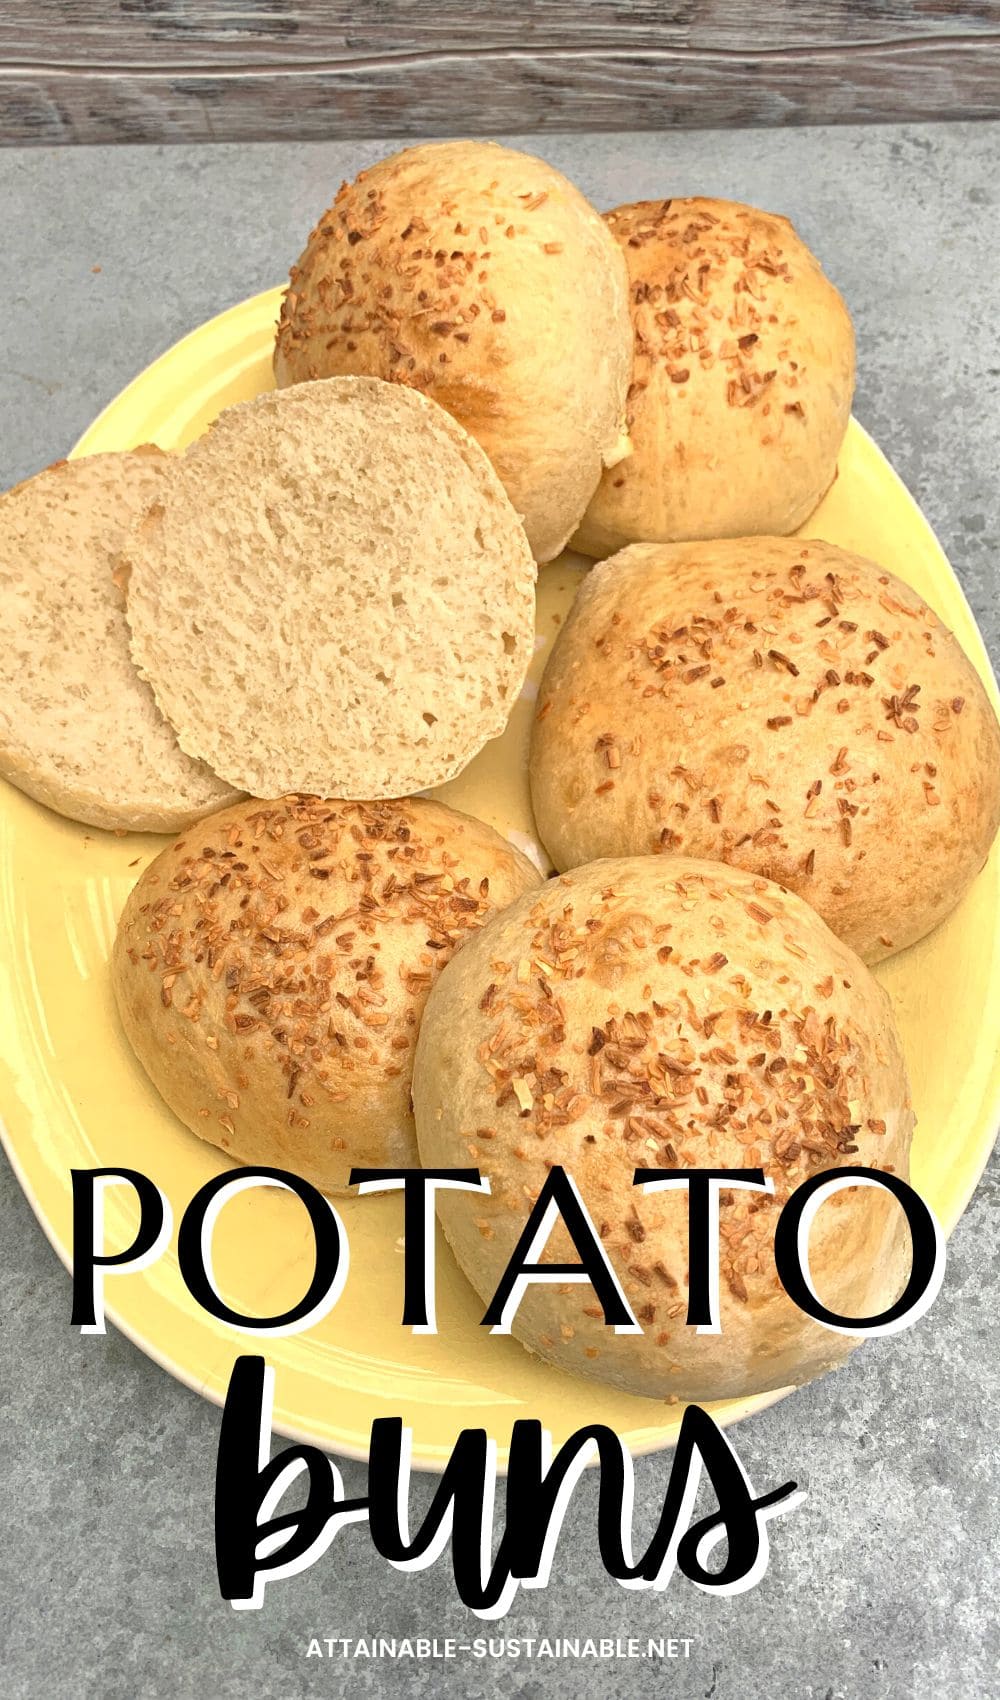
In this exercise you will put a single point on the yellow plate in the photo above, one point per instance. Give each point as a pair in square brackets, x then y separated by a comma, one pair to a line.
[73, 1096]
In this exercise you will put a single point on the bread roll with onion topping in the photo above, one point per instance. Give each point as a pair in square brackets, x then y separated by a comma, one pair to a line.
[272, 965]
[780, 705]
[743, 379]
[644, 1014]
[482, 277]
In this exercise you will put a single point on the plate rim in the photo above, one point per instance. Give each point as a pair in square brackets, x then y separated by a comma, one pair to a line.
[426, 1457]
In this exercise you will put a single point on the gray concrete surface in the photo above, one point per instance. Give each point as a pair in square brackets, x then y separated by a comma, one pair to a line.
[883, 1584]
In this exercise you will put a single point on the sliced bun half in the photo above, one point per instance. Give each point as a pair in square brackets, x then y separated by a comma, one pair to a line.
[79, 730]
[335, 594]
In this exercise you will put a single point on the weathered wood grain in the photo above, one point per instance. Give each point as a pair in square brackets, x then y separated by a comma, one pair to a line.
[198, 70]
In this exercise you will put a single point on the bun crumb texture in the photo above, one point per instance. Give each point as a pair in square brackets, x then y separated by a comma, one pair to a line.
[79, 730]
[334, 594]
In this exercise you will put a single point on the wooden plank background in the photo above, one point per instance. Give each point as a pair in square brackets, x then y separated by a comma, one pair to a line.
[249, 70]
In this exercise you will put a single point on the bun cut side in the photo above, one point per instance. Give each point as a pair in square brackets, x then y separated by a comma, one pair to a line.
[79, 730]
[334, 594]
[482, 277]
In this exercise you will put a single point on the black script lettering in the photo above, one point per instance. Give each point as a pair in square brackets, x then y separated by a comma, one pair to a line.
[256, 1544]
[253, 1547]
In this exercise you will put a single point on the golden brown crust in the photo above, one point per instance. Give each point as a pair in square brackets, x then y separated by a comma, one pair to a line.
[743, 378]
[782, 706]
[644, 1014]
[271, 967]
[472, 272]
